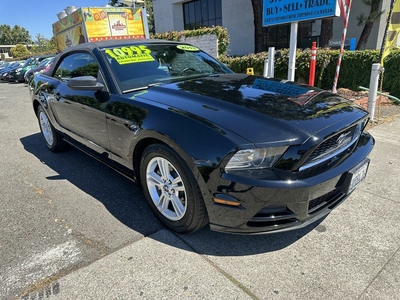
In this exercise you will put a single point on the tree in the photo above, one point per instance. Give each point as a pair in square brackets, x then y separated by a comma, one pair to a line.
[368, 22]
[260, 32]
[5, 35]
[13, 36]
[41, 44]
[150, 15]
[326, 32]
[19, 51]
[20, 35]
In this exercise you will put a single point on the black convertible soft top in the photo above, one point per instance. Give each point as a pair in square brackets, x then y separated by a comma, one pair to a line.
[89, 46]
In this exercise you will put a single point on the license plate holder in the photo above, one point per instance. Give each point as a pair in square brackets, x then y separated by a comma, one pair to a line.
[357, 175]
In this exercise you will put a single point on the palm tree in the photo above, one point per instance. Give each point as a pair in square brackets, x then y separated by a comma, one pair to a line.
[258, 28]
[326, 32]
[368, 22]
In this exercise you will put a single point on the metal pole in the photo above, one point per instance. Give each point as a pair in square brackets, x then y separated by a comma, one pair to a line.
[265, 67]
[271, 61]
[373, 88]
[335, 80]
[292, 53]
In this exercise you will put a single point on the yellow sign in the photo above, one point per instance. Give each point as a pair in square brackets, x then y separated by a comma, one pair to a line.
[393, 32]
[68, 22]
[250, 71]
[70, 37]
[114, 24]
[91, 24]
[187, 48]
[130, 55]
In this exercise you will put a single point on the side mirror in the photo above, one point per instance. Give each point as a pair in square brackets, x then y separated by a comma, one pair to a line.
[85, 83]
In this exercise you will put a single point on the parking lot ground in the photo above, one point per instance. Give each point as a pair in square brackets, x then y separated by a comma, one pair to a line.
[72, 229]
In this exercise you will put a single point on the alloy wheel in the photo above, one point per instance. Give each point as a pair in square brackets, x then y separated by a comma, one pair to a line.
[46, 128]
[166, 188]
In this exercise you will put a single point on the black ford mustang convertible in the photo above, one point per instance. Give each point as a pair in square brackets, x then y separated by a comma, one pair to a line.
[244, 154]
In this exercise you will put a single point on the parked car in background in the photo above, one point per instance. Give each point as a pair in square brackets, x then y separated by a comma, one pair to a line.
[4, 73]
[17, 75]
[3, 64]
[46, 63]
[242, 153]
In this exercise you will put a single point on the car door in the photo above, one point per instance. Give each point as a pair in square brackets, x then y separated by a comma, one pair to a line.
[80, 113]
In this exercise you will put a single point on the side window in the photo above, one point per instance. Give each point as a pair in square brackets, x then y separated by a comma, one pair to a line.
[77, 64]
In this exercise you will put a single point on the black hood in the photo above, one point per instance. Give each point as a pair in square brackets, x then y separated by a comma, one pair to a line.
[240, 103]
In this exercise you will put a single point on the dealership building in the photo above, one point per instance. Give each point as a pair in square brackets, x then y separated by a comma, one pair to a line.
[237, 17]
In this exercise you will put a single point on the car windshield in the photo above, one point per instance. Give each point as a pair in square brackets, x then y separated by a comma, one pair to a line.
[142, 65]
[4, 64]
[45, 62]
[28, 62]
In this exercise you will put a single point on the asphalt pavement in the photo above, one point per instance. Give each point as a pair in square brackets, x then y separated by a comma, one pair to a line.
[96, 244]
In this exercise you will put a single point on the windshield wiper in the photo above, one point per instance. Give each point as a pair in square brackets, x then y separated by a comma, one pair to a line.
[140, 88]
[188, 77]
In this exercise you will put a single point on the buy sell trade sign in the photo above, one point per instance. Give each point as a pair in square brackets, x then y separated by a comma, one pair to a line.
[287, 11]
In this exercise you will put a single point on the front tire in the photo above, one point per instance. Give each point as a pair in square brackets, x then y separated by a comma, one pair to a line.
[51, 137]
[171, 189]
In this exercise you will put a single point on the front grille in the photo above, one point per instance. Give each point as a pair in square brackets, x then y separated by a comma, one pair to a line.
[332, 147]
[324, 201]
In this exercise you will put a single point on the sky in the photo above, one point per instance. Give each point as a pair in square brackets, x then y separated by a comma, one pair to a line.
[37, 16]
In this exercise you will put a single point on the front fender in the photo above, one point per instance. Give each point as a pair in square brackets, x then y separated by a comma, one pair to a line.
[201, 145]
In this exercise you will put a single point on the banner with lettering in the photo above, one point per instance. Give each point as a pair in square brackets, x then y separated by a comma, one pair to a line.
[287, 11]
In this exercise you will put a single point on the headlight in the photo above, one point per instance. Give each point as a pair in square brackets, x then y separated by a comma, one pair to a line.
[18, 70]
[255, 158]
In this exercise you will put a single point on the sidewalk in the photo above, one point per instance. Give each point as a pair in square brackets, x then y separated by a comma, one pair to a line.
[352, 254]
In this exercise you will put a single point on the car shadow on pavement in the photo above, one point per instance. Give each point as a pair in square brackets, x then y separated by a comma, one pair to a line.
[121, 197]
[208, 242]
[124, 200]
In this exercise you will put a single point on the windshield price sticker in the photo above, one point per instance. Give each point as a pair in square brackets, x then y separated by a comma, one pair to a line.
[129, 55]
[287, 11]
[187, 48]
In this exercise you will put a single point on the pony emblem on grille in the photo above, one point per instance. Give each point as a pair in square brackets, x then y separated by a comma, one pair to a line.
[344, 138]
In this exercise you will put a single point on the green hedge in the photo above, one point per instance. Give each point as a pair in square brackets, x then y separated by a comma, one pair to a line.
[220, 32]
[355, 67]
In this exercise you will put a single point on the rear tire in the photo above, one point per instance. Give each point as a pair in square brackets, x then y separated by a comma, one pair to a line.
[51, 137]
[171, 189]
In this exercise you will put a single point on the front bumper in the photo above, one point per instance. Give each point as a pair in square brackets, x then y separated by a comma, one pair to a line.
[276, 205]
[4, 77]
[16, 77]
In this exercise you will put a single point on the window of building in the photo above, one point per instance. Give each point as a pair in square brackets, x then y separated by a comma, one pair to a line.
[278, 36]
[202, 13]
